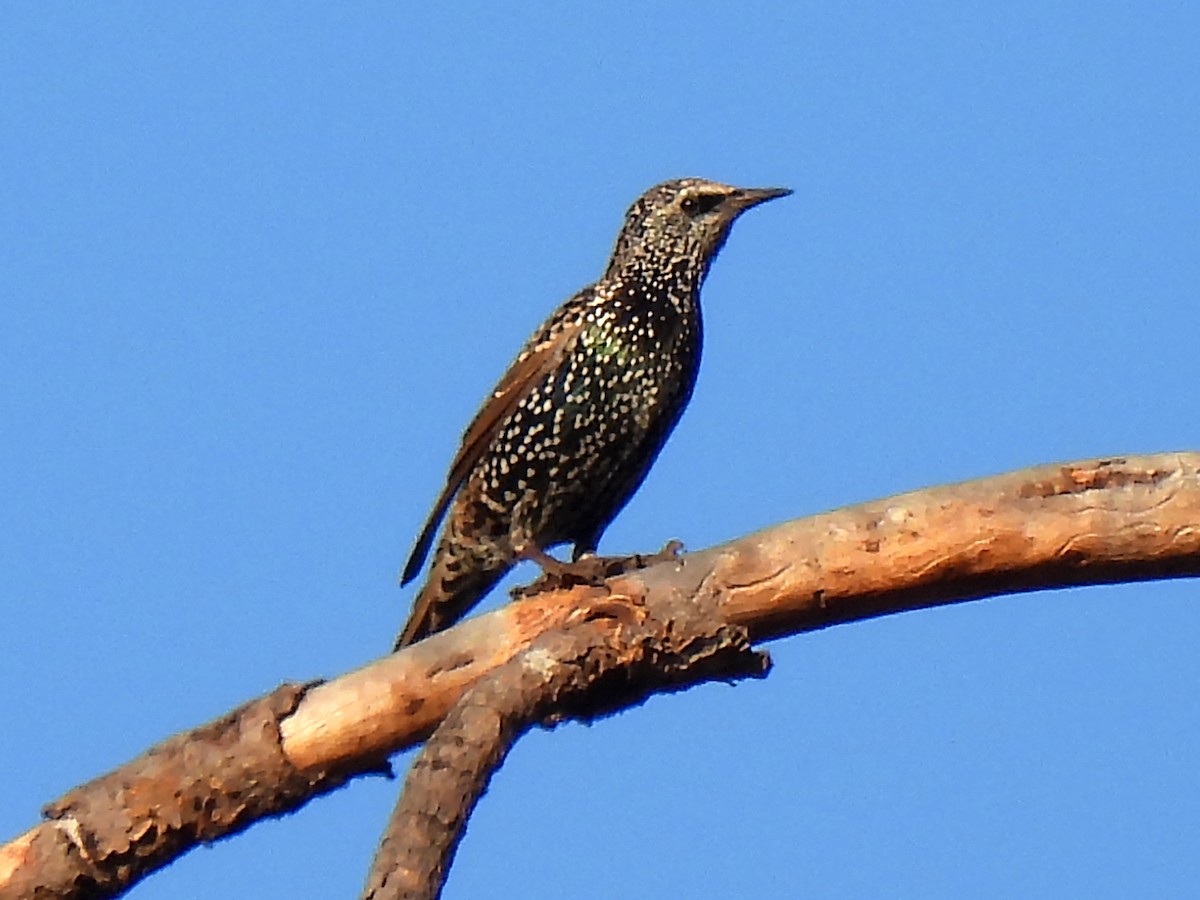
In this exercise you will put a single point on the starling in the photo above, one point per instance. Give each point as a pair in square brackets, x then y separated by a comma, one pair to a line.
[573, 427]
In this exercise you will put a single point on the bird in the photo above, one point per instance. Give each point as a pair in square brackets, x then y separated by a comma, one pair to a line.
[572, 428]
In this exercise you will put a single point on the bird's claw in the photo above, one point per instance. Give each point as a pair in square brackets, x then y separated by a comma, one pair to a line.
[588, 569]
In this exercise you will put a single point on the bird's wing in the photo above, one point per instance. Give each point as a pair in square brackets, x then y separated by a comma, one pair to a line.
[543, 354]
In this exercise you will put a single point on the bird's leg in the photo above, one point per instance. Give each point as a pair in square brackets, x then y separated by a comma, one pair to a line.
[530, 551]
[587, 568]
[557, 574]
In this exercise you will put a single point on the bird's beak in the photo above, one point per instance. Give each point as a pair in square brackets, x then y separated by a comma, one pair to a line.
[744, 198]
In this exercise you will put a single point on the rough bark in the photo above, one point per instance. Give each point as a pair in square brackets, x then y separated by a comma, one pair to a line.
[594, 665]
[1099, 521]
[103, 837]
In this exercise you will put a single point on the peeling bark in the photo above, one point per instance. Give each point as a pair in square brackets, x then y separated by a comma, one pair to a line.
[596, 665]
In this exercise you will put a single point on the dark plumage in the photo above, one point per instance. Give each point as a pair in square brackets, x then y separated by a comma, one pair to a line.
[573, 427]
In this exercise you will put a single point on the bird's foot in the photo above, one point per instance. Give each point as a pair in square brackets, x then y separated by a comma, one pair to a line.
[669, 553]
[559, 575]
[533, 553]
[589, 569]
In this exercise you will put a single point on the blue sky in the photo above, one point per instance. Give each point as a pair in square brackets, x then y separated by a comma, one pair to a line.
[261, 263]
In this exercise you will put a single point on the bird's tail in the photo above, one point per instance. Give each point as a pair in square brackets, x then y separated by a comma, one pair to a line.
[449, 594]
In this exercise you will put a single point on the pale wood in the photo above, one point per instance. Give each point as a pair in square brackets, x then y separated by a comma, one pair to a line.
[1095, 522]
[1091, 522]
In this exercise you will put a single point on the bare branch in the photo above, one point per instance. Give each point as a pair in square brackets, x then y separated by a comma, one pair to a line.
[594, 665]
[196, 787]
[1093, 522]
[1105, 521]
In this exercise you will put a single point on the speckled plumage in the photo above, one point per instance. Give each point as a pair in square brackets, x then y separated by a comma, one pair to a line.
[570, 432]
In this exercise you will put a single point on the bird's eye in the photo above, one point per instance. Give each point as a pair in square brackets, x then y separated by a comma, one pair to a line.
[699, 204]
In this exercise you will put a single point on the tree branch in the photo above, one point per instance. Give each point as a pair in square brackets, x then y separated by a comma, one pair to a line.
[595, 665]
[1104, 521]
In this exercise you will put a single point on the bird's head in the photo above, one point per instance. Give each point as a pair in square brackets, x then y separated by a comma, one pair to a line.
[679, 226]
